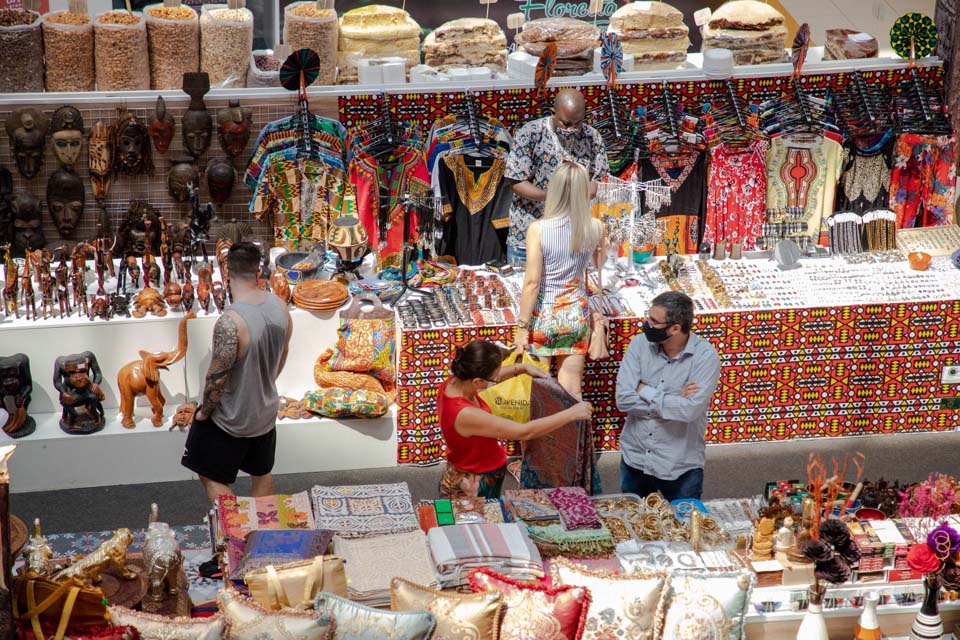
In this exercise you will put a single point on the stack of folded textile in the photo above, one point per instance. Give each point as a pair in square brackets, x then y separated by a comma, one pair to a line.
[575, 40]
[653, 33]
[372, 563]
[364, 510]
[562, 521]
[754, 31]
[504, 548]
[466, 42]
[376, 31]
[238, 516]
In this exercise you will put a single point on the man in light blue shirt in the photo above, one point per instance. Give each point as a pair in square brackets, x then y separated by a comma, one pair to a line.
[666, 380]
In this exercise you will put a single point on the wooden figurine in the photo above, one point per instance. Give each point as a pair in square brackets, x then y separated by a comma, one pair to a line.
[112, 553]
[100, 161]
[205, 286]
[11, 304]
[142, 377]
[46, 294]
[16, 389]
[78, 377]
[162, 126]
[27, 293]
[196, 126]
[280, 286]
[61, 276]
[100, 308]
[147, 301]
[219, 296]
[173, 294]
[187, 293]
[79, 283]
[27, 129]
[762, 548]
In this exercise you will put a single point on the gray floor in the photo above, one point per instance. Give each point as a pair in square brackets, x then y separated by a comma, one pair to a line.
[731, 471]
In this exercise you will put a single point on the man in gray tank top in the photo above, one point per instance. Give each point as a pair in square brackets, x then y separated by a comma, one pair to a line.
[235, 427]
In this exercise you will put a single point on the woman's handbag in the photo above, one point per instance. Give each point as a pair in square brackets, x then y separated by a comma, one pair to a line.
[598, 337]
[296, 584]
[69, 605]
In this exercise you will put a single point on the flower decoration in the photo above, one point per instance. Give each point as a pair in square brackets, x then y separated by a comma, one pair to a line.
[944, 541]
[816, 550]
[935, 554]
[921, 558]
[833, 554]
[835, 571]
[931, 499]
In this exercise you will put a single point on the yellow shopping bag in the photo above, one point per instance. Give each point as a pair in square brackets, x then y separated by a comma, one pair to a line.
[511, 398]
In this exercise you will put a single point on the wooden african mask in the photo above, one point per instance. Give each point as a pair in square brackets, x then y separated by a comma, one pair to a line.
[130, 145]
[66, 127]
[220, 179]
[162, 126]
[135, 233]
[100, 159]
[27, 129]
[65, 199]
[233, 128]
[182, 179]
[197, 123]
[27, 224]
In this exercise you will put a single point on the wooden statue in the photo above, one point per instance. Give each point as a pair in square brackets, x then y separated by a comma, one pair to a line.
[205, 286]
[112, 553]
[78, 377]
[142, 377]
[147, 301]
[762, 548]
[16, 389]
[27, 293]
[10, 283]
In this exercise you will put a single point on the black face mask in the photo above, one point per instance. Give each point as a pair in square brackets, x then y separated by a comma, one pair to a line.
[654, 334]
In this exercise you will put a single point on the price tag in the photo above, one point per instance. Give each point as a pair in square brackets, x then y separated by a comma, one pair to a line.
[488, 1]
[516, 20]
[701, 16]
[643, 5]
[596, 6]
[860, 37]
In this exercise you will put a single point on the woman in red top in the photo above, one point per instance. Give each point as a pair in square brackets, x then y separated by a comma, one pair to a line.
[476, 463]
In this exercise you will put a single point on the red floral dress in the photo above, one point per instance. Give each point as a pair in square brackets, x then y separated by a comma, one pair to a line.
[736, 194]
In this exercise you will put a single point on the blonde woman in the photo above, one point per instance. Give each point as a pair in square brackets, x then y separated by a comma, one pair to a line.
[554, 316]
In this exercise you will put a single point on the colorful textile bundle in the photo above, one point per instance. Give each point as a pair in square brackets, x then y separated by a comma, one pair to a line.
[505, 548]
[238, 516]
[364, 510]
[529, 505]
[371, 564]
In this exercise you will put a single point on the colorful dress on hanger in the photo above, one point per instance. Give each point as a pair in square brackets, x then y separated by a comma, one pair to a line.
[681, 221]
[380, 186]
[476, 204]
[923, 180]
[736, 194]
[802, 175]
[865, 182]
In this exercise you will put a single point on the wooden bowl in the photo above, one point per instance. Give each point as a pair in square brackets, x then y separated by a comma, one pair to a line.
[919, 261]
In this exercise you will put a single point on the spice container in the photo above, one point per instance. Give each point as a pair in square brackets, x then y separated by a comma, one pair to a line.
[226, 38]
[174, 37]
[309, 25]
[120, 51]
[68, 51]
[264, 69]
[21, 49]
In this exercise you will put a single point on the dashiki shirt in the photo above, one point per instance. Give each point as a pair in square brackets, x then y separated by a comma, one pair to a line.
[923, 180]
[802, 175]
[681, 220]
[476, 204]
[536, 153]
[736, 194]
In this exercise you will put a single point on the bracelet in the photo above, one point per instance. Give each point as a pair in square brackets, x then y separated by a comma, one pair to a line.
[522, 324]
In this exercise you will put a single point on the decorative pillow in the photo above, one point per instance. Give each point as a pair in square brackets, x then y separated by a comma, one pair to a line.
[154, 627]
[325, 377]
[366, 346]
[707, 606]
[263, 548]
[337, 402]
[246, 620]
[535, 611]
[633, 604]
[459, 616]
[357, 622]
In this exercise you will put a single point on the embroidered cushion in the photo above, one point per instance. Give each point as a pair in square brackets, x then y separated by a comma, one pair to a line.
[633, 604]
[263, 548]
[707, 606]
[367, 346]
[154, 627]
[246, 620]
[459, 616]
[535, 611]
[337, 402]
[358, 622]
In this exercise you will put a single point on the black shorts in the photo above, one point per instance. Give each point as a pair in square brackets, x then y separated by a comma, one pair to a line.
[213, 453]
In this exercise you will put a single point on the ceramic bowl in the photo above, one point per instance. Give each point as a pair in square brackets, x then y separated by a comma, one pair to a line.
[869, 514]
[642, 254]
[919, 261]
[286, 262]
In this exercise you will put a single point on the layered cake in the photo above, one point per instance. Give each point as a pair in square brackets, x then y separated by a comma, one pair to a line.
[376, 31]
[848, 44]
[754, 31]
[466, 42]
[575, 40]
[653, 33]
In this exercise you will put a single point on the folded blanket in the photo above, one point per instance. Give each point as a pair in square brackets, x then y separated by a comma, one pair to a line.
[577, 510]
[529, 505]
[365, 510]
[553, 540]
[506, 548]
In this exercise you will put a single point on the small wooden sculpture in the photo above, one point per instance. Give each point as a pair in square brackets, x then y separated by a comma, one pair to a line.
[162, 558]
[120, 304]
[100, 308]
[161, 126]
[112, 553]
[38, 554]
[205, 286]
[280, 286]
[173, 294]
[16, 389]
[183, 417]
[219, 296]
[10, 283]
[79, 285]
[100, 160]
[762, 548]
[61, 277]
[147, 301]
[142, 377]
[78, 377]
[27, 293]
[46, 294]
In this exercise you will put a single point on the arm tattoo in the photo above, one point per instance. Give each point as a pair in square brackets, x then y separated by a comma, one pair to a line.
[225, 346]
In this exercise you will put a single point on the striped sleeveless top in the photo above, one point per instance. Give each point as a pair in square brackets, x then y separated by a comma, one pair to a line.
[563, 271]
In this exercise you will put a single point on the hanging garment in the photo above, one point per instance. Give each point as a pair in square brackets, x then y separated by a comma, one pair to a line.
[476, 202]
[737, 194]
[681, 220]
[328, 137]
[802, 175]
[381, 184]
[923, 180]
[865, 183]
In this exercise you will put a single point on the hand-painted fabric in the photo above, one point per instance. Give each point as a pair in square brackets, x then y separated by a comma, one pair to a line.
[280, 547]
[357, 622]
[238, 516]
[535, 611]
[156, 627]
[707, 606]
[577, 510]
[630, 606]
[364, 510]
[336, 402]
[565, 457]
[923, 180]
[506, 547]
[367, 346]
[455, 483]
[736, 194]
[246, 620]
[553, 540]
[459, 616]
[372, 562]
[529, 505]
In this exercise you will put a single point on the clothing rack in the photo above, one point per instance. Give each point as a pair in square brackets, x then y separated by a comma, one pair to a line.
[801, 96]
[614, 112]
[669, 104]
[735, 102]
[861, 87]
[412, 202]
[474, 123]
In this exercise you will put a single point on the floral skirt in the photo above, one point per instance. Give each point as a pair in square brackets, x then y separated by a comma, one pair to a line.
[561, 328]
[455, 483]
